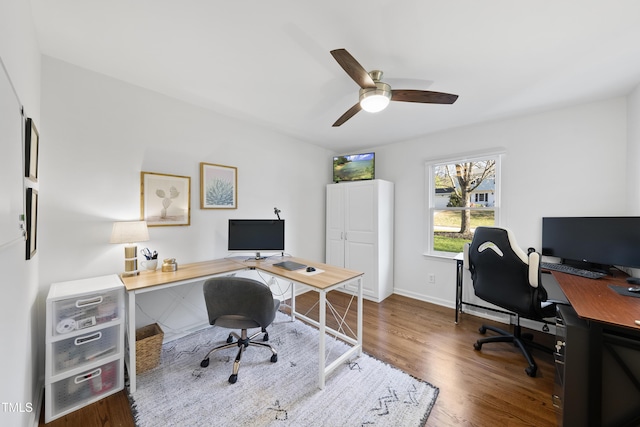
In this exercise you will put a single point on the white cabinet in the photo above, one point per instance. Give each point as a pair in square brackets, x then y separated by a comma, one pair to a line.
[360, 233]
[84, 343]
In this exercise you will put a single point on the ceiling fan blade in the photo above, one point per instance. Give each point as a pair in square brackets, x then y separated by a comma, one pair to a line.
[353, 68]
[424, 96]
[346, 116]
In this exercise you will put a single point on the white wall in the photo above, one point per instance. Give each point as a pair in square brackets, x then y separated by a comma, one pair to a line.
[633, 152]
[101, 133]
[19, 311]
[571, 161]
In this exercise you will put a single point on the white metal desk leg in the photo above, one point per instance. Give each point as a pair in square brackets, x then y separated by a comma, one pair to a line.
[293, 301]
[323, 320]
[131, 344]
[360, 315]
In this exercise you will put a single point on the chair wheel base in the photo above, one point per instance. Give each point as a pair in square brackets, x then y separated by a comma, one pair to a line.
[233, 378]
[477, 346]
[204, 363]
[531, 371]
[274, 358]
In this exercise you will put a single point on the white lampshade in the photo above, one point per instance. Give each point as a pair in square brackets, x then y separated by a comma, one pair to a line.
[129, 232]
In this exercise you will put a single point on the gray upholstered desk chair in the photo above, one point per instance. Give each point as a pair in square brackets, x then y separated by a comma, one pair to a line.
[504, 275]
[240, 303]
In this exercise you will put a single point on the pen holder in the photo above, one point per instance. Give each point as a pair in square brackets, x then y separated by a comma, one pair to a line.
[149, 264]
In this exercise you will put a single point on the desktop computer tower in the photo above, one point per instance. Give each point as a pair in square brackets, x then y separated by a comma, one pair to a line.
[597, 373]
[620, 383]
[571, 355]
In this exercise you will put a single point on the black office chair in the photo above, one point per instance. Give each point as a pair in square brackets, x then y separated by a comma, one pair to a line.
[240, 303]
[504, 275]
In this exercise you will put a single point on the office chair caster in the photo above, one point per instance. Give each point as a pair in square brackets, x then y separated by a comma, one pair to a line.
[233, 378]
[229, 339]
[531, 371]
[266, 337]
[477, 346]
[274, 358]
[204, 363]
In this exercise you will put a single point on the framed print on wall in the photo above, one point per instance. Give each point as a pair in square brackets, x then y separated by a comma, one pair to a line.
[165, 200]
[218, 186]
[32, 139]
[32, 222]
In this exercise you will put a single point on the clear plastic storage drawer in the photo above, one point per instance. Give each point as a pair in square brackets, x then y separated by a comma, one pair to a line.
[77, 390]
[86, 348]
[85, 311]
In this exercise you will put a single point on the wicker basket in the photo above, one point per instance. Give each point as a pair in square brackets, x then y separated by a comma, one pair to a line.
[148, 346]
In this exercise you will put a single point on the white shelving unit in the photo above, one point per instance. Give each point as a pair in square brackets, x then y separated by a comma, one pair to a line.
[84, 343]
[360, 233]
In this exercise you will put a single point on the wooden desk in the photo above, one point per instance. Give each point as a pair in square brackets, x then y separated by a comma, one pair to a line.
[594, 300]
[325, 279]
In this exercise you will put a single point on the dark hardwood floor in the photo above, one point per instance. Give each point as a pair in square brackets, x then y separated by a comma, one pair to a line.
[477, 388]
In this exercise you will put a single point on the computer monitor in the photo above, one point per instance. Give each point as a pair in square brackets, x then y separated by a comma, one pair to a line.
[256, 235]
[593, 243]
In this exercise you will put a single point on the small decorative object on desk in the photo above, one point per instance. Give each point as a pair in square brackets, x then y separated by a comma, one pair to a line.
[169, 264]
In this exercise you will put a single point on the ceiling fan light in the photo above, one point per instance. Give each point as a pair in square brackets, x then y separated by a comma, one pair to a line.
[374, 100]
[374, 103]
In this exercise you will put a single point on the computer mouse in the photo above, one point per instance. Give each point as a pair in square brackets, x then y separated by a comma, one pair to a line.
[310, 269]
[634, 289]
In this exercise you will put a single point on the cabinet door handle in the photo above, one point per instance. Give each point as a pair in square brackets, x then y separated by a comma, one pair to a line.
[88, 338]
[89, 301]
[345, 236]
[82, 378]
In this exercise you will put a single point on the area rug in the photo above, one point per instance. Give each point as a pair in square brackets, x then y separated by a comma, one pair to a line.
[362, 392]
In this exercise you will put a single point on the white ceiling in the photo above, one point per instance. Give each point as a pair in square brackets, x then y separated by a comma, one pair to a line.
[268, 62]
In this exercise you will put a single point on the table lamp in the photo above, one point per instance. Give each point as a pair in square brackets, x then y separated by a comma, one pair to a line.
[130, 232]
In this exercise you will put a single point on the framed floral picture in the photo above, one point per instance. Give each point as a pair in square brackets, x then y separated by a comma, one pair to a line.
[165, 200]
[218, 186]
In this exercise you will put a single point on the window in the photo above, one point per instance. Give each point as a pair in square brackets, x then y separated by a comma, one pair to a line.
[463, 194]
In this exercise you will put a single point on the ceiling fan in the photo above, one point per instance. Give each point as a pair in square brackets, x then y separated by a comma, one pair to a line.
[376, 94]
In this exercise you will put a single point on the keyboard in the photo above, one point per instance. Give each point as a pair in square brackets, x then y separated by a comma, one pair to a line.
[572, 270]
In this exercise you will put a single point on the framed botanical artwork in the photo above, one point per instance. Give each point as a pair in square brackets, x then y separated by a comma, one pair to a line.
[218, 186]
[32, 139]
[165, 200]
[32, 222]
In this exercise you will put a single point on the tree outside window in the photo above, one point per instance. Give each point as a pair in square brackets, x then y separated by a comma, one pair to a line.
[463, 197]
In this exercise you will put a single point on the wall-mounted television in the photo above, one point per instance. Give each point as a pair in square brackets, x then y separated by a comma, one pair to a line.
[256, 235]
[354, 167]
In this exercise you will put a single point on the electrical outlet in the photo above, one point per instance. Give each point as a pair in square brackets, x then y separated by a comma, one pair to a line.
[432, 278]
